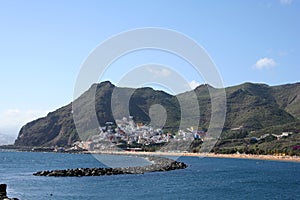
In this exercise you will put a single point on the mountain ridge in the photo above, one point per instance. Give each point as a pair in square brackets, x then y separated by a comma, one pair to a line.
[252, 106]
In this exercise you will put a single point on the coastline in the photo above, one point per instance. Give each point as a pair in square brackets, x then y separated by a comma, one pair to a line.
[179, 154]
[203, 155]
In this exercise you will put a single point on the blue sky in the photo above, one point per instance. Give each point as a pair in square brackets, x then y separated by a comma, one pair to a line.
[44, 43]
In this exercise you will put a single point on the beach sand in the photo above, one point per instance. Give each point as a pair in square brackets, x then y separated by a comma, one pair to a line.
[203, 155]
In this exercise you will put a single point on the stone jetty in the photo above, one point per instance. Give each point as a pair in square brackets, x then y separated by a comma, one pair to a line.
[159, 164]
[3, 193]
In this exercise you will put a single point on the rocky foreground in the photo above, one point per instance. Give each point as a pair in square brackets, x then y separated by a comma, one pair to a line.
[3, 193]
[159, 164]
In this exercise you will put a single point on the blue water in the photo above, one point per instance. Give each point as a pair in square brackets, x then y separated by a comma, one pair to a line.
[208, 178]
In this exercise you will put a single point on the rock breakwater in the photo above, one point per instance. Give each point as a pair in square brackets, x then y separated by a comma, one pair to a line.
[159, 164]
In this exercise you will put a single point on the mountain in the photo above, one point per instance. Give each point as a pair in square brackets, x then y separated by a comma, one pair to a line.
[255, 106]
[58, 127]
[288, 98]
[251, 107]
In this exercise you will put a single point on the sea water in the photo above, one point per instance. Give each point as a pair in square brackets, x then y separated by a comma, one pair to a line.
[206, 178]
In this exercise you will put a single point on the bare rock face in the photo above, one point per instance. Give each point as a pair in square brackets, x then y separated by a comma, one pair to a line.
[3, 193]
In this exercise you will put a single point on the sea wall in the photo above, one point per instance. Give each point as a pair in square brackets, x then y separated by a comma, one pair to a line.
[159, 164]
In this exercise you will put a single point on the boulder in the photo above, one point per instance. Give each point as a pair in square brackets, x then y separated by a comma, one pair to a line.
[3, 194]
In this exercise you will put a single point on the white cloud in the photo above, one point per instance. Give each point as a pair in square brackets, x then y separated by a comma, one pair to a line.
[265, 63]
[6, 139]
[159, 72]
[193, 84]
[13, 119]
[286, 2]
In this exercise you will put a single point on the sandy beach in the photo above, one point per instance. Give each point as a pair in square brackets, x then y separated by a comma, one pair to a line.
[208, 155]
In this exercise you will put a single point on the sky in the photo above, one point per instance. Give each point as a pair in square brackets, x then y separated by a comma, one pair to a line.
[43, 45]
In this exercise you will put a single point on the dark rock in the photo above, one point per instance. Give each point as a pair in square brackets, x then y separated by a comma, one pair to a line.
[160, 164]
[3, 193]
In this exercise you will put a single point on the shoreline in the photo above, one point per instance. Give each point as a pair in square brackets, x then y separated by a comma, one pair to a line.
[188, 154]
[204, 155]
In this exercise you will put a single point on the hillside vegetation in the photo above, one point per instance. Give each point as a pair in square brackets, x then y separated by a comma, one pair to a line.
[253, 110]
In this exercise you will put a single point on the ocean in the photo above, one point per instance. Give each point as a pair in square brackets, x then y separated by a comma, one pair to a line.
[205, 178]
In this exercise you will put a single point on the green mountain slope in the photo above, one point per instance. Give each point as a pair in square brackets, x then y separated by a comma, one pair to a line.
[288, 98]
[254, 107]
[250, 107]
[58, 127]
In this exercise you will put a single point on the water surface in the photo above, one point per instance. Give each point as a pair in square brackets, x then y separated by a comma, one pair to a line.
[208, 178]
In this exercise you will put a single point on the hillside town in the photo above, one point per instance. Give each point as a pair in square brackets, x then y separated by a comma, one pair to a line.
[126, 133]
